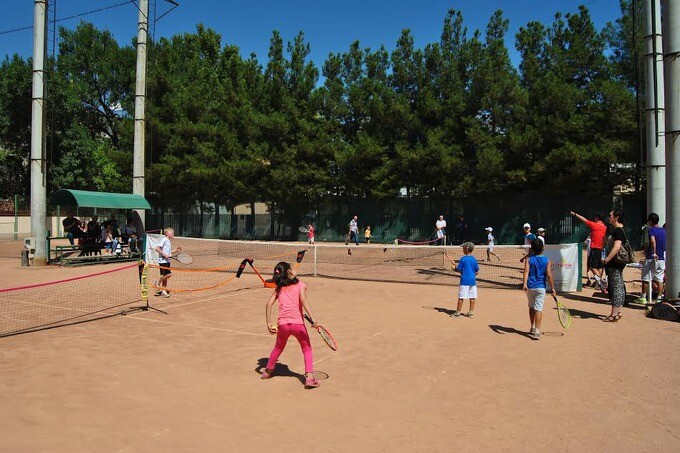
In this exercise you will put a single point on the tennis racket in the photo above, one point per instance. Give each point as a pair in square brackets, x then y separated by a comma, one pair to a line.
[453, 263]
[563, 314]
[325, 334]
[303, 230]
[183, 258]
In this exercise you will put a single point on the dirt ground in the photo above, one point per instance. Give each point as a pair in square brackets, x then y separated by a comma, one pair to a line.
[406, 377]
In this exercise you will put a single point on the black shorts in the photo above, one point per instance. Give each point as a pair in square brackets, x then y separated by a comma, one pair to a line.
[165, 268]
[595, 259]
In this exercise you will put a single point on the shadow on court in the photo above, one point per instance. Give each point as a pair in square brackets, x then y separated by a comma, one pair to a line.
[580, 314]
[599, 298]
[282, 370]
[502, 330]
[446, 311]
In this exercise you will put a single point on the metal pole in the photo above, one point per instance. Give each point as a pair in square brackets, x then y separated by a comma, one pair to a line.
[671, 46]
[38, 190]
[140, 98]
[654, 111]
[16, 217]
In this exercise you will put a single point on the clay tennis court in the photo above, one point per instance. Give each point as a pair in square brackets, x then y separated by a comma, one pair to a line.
[406, 376]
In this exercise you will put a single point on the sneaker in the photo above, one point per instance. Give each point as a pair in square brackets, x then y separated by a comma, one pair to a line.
[266, 374]
[156, 285]
[311, 383]
[532, 331]
[456, 314]
[603, 285]
[470, 314]
[536, 335]
[165, 293]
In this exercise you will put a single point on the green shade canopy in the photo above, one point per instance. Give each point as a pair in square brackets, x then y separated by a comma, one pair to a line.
[70, 197]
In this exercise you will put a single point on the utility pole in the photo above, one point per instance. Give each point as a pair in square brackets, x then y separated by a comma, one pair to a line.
[140, 103]
[38, 180]
[654, 111]
[671, 46]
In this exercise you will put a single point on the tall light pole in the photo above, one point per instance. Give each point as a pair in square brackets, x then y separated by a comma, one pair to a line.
[671, 46]
[38, 181]
[654, 111]
[140, 103]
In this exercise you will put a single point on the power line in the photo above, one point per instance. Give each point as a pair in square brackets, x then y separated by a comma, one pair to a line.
[4, 32]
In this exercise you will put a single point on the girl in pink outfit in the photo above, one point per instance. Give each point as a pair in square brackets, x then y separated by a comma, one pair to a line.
[292, 297]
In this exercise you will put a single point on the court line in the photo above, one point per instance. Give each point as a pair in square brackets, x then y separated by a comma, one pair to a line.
[219, 329]
[195, 326]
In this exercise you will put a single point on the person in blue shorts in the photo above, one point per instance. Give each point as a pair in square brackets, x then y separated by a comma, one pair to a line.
[468, 269]
[536, 272]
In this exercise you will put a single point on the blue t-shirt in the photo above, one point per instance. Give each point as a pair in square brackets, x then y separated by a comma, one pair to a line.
[529, 238]
[659, 235]
[538, 267]
[468, 268]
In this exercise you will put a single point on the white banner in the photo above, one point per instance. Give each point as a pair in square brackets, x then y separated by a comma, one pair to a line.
[152, 241]
[565, 269]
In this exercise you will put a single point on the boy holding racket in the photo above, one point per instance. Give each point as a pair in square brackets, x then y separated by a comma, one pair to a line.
[291, 294]
[468, 269]
[165, 252]
[536, 271]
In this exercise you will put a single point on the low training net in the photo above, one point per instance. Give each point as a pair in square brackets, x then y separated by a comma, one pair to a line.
[69, 301]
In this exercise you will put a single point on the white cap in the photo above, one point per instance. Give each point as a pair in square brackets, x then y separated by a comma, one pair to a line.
[540, 230]
[526, 225]
[488, 229]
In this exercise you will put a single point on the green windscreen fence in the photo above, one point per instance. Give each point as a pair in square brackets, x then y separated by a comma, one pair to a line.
[414, 219]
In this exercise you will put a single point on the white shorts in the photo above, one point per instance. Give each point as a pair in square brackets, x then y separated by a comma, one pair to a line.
[467, 292]
[536, 297]
[311, 240]
[440, 234]
[653, 270]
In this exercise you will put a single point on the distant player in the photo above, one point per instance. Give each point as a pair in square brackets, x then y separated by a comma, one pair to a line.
[541, 235]
[367, 234]
[467, 268]
[310, 233]
[490, 244]
[440, 226]
[528, 239]
[536, 271]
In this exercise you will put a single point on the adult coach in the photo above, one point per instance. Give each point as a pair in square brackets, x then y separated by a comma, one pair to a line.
[655, 259]
[440, 225]
[354, 230]
[616, 285]
[598, 231]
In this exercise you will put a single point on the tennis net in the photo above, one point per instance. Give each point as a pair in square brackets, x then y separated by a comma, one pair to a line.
[420, 264]
[69, 301]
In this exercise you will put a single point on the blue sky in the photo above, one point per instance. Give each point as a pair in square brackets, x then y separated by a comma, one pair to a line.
[329, 26]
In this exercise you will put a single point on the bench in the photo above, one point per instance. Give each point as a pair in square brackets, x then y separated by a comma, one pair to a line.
[99, 259]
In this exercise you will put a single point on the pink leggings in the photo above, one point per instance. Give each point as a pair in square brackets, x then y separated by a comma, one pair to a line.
[298, 331]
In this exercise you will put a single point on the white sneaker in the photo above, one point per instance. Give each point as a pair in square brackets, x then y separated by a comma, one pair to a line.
[156, 285]
[165, 293]
[532, 330]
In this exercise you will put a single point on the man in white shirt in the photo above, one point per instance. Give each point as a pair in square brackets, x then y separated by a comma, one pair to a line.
[354, 230]
[441, 230]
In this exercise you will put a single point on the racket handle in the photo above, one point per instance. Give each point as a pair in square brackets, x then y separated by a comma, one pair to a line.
[310, 320]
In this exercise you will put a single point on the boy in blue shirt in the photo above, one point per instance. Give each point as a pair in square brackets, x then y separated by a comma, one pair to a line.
[536, 271]
[468, 269]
